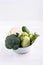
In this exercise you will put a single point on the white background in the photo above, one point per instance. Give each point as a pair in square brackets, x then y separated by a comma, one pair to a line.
[16, 13]
[21, 9]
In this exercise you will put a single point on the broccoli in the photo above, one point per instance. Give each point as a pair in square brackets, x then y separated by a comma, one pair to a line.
[12, 42]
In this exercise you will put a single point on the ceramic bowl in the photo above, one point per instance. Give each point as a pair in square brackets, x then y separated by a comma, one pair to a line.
[22, 50]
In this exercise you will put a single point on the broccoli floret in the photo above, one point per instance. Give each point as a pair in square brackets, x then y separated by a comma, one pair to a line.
[12, 42]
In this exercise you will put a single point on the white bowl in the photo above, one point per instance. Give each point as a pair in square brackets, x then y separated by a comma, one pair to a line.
[22, 50]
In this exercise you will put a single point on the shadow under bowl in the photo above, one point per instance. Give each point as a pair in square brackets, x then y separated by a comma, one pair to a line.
[23, 50]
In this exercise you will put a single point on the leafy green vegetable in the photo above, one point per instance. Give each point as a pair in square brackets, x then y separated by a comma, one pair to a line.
[12, 42]
[33, 37]
[25, 29]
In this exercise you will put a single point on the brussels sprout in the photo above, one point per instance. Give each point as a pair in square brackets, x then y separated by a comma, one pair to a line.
[26, 41]
[22, 35]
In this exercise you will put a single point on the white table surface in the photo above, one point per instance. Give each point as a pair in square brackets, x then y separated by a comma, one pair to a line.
[34, 57]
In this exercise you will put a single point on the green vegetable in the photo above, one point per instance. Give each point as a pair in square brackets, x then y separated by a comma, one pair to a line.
[12, 42]
[17, 34]
[33, 37]
[25, 29]
[15, 41]
[25, 34]
[22, 35]
[26, 41]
